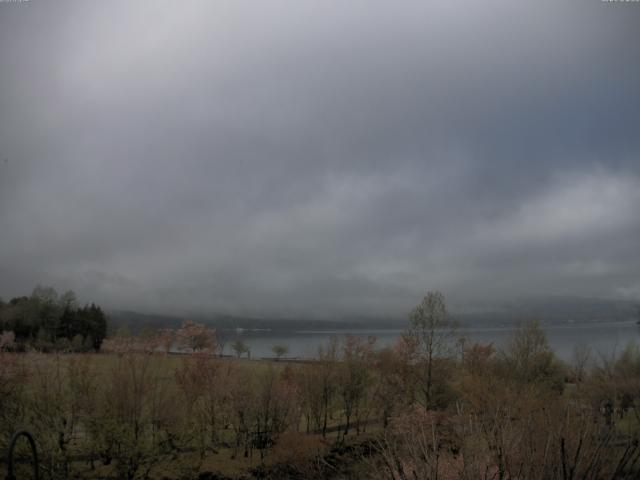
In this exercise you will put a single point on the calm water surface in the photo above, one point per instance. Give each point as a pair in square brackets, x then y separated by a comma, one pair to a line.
[604, 338]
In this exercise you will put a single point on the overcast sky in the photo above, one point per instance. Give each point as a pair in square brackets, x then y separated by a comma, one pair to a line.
[319, 158]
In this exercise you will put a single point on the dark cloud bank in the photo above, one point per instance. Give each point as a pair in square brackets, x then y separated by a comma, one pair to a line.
[319, 159]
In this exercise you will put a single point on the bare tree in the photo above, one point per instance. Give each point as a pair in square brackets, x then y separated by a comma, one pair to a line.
[196, 337]
[275, 406]
[413, 447]
[391, 382]
[240, 348]
[12, 395]
[326, 376]
[280, 350]
[354, 377]
[528, 357]
[203, 380]
[579, 362]
[140, 423]
[432, 334]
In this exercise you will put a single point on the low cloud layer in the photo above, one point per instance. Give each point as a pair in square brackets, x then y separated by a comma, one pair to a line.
[319, 159]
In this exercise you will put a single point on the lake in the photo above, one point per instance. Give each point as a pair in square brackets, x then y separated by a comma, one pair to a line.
[604, 338]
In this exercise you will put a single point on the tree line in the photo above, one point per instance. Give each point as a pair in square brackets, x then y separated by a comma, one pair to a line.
[48, 321]
[433, 406]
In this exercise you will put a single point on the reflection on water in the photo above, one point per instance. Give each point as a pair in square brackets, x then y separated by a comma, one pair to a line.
[604, 338]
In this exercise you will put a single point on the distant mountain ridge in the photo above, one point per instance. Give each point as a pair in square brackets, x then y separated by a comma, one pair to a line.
[137, 321]
[547, 310]
[560, 309]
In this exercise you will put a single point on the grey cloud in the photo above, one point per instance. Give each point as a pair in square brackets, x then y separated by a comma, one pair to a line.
[318, 158]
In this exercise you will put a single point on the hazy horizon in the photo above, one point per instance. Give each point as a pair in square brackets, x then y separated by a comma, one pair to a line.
[319, 159]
